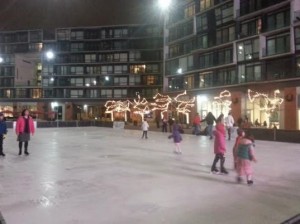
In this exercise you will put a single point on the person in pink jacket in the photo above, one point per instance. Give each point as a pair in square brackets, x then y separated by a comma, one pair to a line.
[219, 146]
[24, 128]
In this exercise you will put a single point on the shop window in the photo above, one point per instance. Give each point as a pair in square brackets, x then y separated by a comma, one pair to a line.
[224, 14]
[248, 50]
[278, 44]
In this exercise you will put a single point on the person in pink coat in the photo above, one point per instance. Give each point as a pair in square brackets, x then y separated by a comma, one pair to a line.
[24, 128]
[219, 146]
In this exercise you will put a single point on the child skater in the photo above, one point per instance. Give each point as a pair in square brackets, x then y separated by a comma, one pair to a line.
[219, 146]
[3, 132]
[176, 137]
[245, 154]
[145, 127]
[240, 136]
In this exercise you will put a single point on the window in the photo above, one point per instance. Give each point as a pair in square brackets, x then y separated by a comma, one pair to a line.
[134, 56]
[278, 20]
[227, 76]
[202, 22]
[298, 66]
[280, 68]
[225, 56]
[120, 33]
[120, 81]
[106, 57]
[106, 69]
[47, 82]
[180, 31]
[224, 14]
[250, 28]
[74, 93]
[92, 93]
[90, 58]
[278, 44]
[137, 69]
[249, 72]
[206, 60]
[225, 35]
[176, 83]
[189, 82]
[76, 81]
[76, 58]
[35, 47]
[122, 57]
[202, 42]
[62, 70]
[119, 69]
[248, 50]
[120, 93]
[297, 38]
[150, 80]
[35, 36]
[77, 35]
[90, 81]
[63, 34]
[76, 70]
[76, 47]
[205, 79]
[189, 10]
[47, 70]
[106, 93]
[7, 71]
[205, 4]
[152, 68]
[134, 80]
[93, 70]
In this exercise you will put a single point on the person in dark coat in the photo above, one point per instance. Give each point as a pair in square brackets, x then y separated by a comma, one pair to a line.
[177, 137]
[210, 119]
[3, 132]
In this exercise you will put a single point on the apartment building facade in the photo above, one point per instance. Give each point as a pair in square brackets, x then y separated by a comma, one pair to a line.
[246, 47]
[70, 73]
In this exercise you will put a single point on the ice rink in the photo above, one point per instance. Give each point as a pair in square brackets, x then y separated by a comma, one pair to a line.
[100, 175]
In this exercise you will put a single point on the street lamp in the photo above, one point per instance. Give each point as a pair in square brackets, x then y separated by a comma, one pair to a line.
[1, 59]
[50, 55]
[164, 6]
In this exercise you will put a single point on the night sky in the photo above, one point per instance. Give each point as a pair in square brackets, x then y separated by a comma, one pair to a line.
[49, 14]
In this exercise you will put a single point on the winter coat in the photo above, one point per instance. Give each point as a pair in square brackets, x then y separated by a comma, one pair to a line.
[176, 133]
[20, 126]
[3, 128]
[210, 119]
[220, 140]
[145, 126]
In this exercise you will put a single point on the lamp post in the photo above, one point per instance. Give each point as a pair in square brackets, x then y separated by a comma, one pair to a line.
[164, 5]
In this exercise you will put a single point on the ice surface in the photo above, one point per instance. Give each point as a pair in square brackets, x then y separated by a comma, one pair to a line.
[100, 175]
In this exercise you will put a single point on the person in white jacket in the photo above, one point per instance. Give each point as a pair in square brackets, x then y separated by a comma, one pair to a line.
[229, 122]
[145, 127]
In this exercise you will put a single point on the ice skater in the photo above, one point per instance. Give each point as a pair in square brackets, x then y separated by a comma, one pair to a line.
[240, 136]
[176, 137]
[210, 119]
[245, 155]
[3, 132]
[145, 127]
[219, 146]
[24, 128]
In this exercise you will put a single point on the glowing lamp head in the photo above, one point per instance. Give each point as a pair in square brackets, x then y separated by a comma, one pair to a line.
[50, 55]
[164, 4]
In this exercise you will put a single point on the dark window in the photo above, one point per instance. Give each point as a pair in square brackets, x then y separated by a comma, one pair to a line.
[176, 83]
[249, 72]
[224, 14]
[225, 35]
[202, 22]
[278, 20]
[297, 38]
[248, 50]
[280, 69]
[250, 28]
[278, 44]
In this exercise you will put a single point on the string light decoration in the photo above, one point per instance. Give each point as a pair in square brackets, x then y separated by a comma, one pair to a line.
[223, 100]
[266, 103]
[141, 107]
[161, 102]
[117, 106]
[184, 106]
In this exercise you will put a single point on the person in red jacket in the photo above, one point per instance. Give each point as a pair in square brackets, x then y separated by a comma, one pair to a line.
[24, 128]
